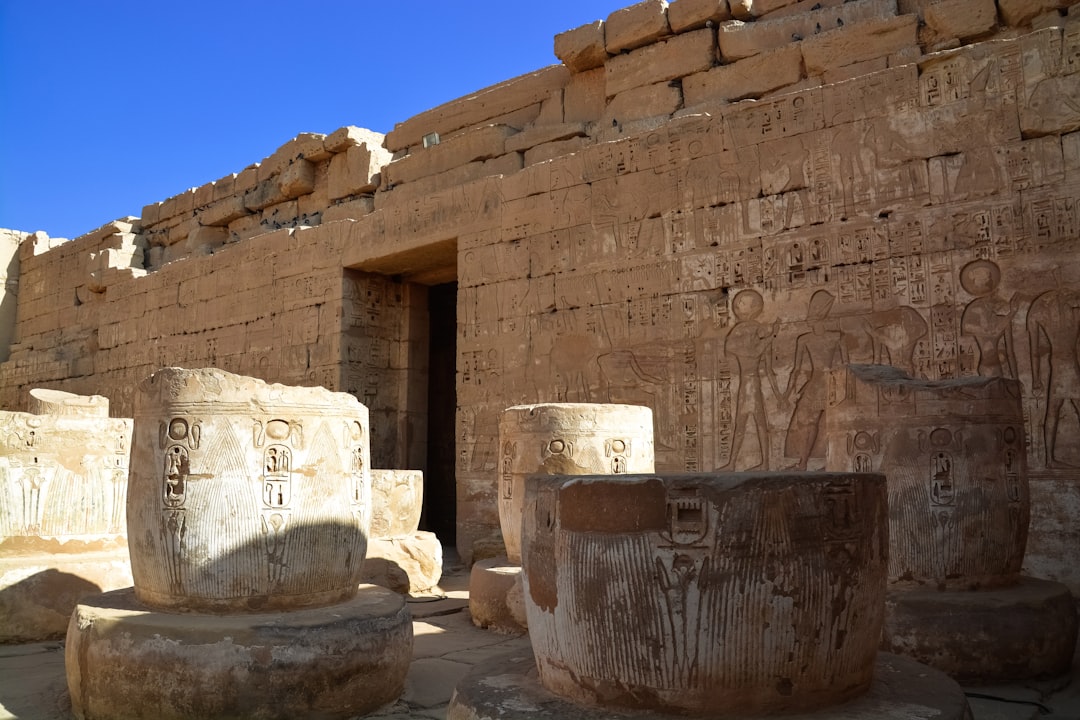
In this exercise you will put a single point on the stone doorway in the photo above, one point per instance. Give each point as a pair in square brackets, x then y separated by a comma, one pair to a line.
[440, 487]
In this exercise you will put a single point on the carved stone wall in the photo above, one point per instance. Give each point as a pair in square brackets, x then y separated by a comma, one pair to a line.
[897, 183]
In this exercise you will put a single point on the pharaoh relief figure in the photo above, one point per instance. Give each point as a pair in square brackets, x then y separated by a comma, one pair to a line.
[816, 352]
[988, 318]
[750, 344]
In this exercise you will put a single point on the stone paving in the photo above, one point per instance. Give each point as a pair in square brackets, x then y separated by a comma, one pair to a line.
[446, 646]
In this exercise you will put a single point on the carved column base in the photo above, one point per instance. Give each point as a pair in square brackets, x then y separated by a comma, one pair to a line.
[507, 688]
[39, 591]
[495, 600]
[984, 637]
[124, 660]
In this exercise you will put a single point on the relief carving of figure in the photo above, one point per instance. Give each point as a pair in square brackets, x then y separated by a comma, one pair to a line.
[815, 353]
[988, 319]
[750, 343]
[1053, 324]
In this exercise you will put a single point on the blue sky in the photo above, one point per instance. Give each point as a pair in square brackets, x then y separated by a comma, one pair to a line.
[108, 106]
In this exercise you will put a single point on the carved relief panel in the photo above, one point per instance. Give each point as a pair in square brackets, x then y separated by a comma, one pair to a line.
[953, 453]
[63, 474]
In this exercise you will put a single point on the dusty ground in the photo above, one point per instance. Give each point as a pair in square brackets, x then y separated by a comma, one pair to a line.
[447, 645]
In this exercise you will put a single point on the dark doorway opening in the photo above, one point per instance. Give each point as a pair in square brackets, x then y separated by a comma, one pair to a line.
[440, 485]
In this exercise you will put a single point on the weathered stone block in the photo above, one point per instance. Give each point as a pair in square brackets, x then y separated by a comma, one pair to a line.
[350, 136]
[475, 144]
[582, 48]
[354, 171]
[651, 101]
[224, 211]
[540, 134]
[637, 25]
[686, 15]
[749, 77]
[742, 39]
[584, 97]
[489, 103]
[297, 178]
[407, 564]
[661, 61]
[858, 42]
[961, 18]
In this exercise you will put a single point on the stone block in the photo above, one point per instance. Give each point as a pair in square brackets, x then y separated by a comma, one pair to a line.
[225, 187]
[350, 136]
[203, 239]
[641, 103]
[584, 98]
[151, 213]
[540, 134]
[661, 61]
[480, 107]
[582, 48]
[554, 149]
[635, 26]
[738, 39]
[263, 195]
[204, 195]
[858, 42]
[397, 501]
[353, 209]
[961, 18]
[354, 171]
[1017, 13]
[305, 146]
[854, 70]
[405, 563]
[686, 15]
[750, 77]
[476, 144]
[224, 211]
[297, 178]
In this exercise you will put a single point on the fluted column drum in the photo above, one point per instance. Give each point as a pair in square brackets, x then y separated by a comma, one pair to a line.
[566, 439]
[246, 496]
[746, 593]
[953, 452]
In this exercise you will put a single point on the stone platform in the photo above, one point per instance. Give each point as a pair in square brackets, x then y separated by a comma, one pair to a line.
[126, 661]
[39, 590]
[508, 689]
[997, 635]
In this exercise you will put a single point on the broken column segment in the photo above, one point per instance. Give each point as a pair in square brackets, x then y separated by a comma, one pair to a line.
[741, 594]
[249, 509]
[401, 556]
[550, 439]
[63, 481]
[954, 454]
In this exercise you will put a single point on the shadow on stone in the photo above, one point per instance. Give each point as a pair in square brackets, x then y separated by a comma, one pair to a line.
[39, 606]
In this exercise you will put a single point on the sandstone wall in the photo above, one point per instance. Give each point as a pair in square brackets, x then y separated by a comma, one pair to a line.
[700, 210]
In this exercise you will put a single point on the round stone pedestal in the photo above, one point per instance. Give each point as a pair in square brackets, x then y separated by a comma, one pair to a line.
[507, 688]
[492, 605]
[125, 661]
[985, 637]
